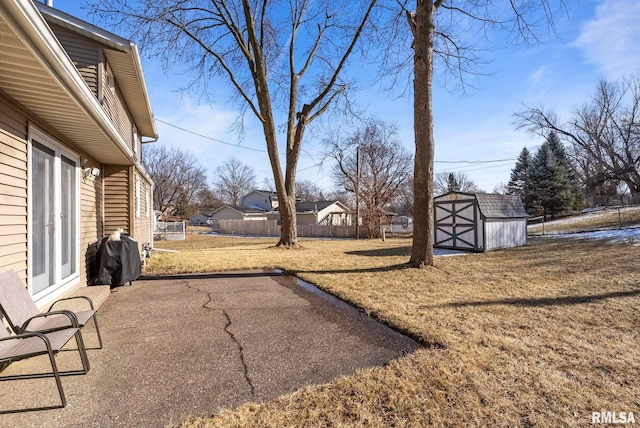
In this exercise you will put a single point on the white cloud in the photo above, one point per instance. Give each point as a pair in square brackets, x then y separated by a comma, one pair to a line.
[610, 39]
[537, 76]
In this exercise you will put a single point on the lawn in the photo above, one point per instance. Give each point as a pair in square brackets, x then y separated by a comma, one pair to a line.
[541, 335]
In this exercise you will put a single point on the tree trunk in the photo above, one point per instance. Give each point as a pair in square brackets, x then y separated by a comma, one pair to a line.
[422, 248]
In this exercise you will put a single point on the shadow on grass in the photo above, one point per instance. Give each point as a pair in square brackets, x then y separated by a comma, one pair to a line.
[403, 251]
[546, 301]
[388, 268]
[382, 252]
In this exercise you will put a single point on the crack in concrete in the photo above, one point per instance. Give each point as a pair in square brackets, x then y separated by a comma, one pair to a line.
[241, 350]
[235, 340]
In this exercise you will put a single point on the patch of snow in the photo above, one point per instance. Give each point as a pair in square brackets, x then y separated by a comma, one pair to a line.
[631, 235]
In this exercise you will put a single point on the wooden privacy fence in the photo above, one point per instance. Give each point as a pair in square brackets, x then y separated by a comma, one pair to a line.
[271, 228]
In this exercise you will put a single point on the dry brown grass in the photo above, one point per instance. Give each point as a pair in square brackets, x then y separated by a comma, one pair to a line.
[540, 335]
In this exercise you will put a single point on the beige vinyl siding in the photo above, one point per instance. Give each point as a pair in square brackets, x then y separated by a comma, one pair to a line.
[91, 222]
[117, 199]
[13, 191]
[84, 53]
[113, 104]
[142, 224]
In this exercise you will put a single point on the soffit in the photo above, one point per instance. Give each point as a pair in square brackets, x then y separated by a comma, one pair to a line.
[25, 78]
[124, 60]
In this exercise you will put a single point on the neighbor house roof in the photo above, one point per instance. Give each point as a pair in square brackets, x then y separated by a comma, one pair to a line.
[37, 72]
[240, 208]
[302, 207]
[501, 206]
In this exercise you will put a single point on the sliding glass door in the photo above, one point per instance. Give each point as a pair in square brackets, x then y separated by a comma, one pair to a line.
[53, 242]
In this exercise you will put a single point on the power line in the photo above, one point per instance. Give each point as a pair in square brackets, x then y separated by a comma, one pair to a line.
[210, 138]
[467, 162]
[476, 162]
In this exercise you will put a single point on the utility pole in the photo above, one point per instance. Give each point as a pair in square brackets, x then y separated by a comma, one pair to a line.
[357, 192]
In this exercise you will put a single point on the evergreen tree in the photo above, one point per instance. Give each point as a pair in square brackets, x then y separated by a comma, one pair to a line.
[573, 190]
[519, 182]
[553, 179]
[453, 185]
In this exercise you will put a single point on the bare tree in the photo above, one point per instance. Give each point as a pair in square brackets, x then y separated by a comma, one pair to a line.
[439, 28]
[384, 165]
[274, 54]
[207, 201]
[604, 133]
[233, 180]
[176, 175]
[454, 182]
[308, 191]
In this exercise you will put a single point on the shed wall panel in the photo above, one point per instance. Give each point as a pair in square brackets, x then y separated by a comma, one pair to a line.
[506, 233]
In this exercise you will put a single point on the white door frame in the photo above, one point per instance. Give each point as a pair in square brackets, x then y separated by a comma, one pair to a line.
[60, 285]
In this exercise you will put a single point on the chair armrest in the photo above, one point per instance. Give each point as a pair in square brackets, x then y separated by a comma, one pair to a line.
[72, 298]
[72, 318]
[29, 334]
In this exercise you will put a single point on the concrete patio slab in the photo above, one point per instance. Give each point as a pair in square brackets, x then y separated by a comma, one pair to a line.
[192, 345]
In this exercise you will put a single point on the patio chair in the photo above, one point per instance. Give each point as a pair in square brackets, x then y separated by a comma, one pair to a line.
[23, 316]
[23, 346]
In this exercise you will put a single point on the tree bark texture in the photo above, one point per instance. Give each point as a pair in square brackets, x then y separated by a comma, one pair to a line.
[422, 248]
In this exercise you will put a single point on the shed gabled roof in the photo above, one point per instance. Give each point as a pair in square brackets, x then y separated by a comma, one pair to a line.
[501, 206]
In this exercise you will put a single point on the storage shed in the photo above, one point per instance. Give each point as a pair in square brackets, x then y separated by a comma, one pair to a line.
[479, 221]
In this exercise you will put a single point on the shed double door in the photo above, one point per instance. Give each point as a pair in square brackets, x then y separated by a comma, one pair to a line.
[456, 224]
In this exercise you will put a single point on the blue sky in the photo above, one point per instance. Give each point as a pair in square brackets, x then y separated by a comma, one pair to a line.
[596, 38]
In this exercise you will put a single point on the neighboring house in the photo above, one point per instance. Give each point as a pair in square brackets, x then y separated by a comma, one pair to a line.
[323, 213]
[73, 110]
[264, 200]
[235, 212]
[479, 221]
[199, 220]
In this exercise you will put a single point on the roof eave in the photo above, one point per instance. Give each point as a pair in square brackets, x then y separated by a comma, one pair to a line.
[29, 26]
[114, 45]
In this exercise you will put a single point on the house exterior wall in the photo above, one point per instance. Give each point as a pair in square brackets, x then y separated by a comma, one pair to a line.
[91, 222]
[198, 220]
[85, 54]
[13, 191]
[14, 167]
[143, 228]
[88, 56]
[306, 219]
[225, 213]
[117, 199]
[112, 101]
[260, 200]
